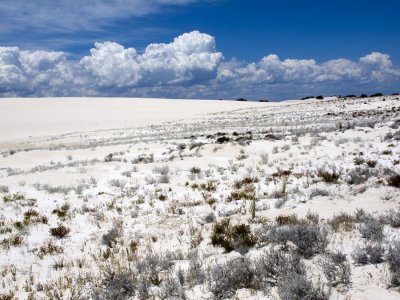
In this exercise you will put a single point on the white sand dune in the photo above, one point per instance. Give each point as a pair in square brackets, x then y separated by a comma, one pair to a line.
[21, 117]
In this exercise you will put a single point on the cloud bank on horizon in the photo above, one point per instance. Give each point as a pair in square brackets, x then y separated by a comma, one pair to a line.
[188, 67]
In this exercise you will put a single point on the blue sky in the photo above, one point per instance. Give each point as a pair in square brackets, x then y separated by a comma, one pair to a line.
[205, 48]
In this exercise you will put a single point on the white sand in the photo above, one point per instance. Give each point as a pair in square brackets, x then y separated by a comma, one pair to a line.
[71, 138]
[21, 118]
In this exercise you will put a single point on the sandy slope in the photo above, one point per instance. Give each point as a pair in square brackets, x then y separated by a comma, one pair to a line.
[21, 118]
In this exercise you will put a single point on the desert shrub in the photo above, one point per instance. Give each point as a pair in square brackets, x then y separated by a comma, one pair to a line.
[222, 140]
[264, 158]
[195, 170]
[163, 170]
[371, 163]
[359, 175]
[308, 239]
[393, 260]
[111, 237]
[319, 97]
[312, 217]
[272, 266]
[288, 220]
[372, 229]
[370, 254]
[247, 192]
[280, 202]
[118, 183]
[392, 218]
[164, 179]
[4, 189]
[120, 284]
[328, 177]
[13, 197]
[358, 160]
[361, 216]
[342, 221]
[225, 279]
[232, 237]
[151, 266]
[60, 213]
[60, 231]
[387, 152]
[297, 286]
[108, 157]
[318, 192]
[195, 275]
[394, 180]
[245, 181]
[172, 289]
[49, 248]
[7, 296]
[336, 269]
[13, 241]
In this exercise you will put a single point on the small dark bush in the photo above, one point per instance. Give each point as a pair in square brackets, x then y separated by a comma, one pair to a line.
[377, 95]
[222, 139]
[371, 163]
[394, 180]
[329, 177]
[247, 192]
[108, 157]
[245, 181]
[60, 232]
[319, 97]
[241, 99]
[232, 237]
[364, 96]
[359, 160]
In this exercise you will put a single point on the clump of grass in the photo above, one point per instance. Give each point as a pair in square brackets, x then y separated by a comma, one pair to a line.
[49, 248]
[14, 241]
[328, 177]
[358, 161]
[60, 231]
[246, 193]
[245, 181]
[13, 197]
[232, 237]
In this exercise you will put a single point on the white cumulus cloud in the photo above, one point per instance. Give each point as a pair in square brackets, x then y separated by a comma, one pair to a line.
[189, 66]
